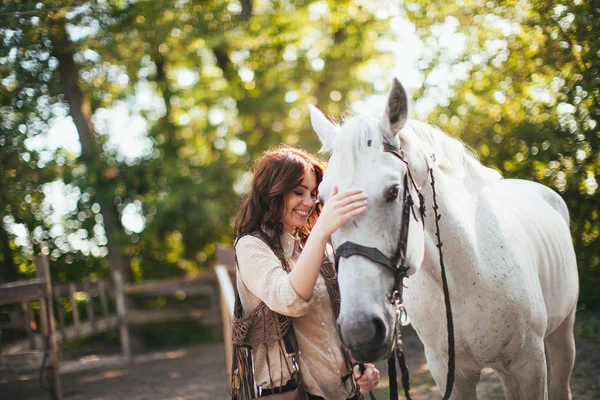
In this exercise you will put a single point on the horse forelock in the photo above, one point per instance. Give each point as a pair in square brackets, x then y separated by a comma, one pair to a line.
[357, 134]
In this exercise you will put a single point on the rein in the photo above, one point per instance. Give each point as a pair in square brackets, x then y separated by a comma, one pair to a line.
[397, 264]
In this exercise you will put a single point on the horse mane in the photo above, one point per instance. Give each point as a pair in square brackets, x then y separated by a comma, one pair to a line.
[452, 155]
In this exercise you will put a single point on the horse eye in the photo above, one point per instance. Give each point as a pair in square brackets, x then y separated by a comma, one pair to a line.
[392, 194]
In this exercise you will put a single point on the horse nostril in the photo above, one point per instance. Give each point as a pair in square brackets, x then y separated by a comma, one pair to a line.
[379, 334]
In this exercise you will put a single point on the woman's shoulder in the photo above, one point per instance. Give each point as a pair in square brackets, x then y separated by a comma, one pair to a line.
[252, 251]
[251, 241]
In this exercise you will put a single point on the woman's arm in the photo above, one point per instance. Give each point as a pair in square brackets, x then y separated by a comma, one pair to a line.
[260, 271]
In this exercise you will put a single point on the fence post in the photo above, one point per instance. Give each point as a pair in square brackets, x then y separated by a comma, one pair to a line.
[225, 257]
[89, 293]
[27, 312]
[121, 315]
[51, 369]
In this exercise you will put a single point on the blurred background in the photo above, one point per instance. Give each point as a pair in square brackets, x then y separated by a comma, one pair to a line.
[127, 128]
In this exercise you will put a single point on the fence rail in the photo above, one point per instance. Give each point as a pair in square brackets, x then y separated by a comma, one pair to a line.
[22, 291]
[88, 307]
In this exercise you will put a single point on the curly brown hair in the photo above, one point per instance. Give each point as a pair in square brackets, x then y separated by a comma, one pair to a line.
[278, 171]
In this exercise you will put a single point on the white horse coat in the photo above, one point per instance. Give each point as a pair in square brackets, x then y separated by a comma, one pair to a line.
[507, 248]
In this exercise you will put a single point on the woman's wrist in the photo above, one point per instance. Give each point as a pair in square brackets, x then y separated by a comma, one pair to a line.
[319, 235]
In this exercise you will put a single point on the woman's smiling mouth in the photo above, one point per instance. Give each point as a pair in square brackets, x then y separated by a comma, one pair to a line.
[304, 214]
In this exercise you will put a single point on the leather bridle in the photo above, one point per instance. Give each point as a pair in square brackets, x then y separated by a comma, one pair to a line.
[397, 264]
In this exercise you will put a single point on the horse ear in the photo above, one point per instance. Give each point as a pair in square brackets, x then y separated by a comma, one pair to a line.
[396, 110]
[323, 127]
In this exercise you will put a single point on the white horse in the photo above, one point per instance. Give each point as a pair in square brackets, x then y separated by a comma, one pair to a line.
[509, 258]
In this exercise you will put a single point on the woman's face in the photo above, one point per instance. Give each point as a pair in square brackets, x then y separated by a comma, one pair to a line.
[299, 203]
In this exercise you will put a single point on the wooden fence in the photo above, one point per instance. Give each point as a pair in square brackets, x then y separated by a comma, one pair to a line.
[23, 293]
[91, 307]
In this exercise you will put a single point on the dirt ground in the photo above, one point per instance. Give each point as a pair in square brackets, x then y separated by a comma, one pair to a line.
[198, 373]
[585, 381]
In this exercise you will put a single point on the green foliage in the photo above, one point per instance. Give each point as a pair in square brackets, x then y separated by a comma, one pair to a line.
[102, 339]
[159, 336]
[527, 99]
[588, 325]
[213, 88]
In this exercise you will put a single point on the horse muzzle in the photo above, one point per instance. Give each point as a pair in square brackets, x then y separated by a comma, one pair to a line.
[366, 335]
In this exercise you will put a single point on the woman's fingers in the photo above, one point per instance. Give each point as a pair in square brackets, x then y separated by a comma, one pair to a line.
[370, 379]
[351, 199]
[343, 217]
[349, 204]
[341, 207]
[353, 208]
[336, 195]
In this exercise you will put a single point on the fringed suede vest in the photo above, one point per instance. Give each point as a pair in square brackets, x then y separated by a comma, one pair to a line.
[262, 326]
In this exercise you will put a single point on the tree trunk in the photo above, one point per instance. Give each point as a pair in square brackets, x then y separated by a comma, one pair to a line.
[246, 9]
[8, 269]
[170, 145]
[81, 113]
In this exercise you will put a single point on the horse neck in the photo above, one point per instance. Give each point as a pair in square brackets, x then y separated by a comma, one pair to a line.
[456, 207]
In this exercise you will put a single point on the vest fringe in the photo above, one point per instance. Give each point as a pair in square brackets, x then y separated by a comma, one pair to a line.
[242, 376]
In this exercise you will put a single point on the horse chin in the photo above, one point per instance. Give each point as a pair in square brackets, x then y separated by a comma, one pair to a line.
[371, 354]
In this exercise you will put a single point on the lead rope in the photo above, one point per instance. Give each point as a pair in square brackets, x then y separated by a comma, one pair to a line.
[397, 301]
[449, 321]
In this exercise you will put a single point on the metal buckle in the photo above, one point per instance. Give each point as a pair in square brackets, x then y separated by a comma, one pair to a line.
[294, 362]
[401, 313]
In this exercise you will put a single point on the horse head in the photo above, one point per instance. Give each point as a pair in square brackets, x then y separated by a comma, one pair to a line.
[368, 153]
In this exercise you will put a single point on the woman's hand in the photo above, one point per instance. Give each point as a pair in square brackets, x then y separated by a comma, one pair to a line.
[337, 210]
[340, 208]
[367, 380]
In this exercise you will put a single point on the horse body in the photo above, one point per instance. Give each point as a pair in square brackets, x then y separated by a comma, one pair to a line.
[512, 282]
[509, 258]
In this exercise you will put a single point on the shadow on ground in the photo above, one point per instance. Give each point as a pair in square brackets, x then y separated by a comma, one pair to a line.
[198, 373]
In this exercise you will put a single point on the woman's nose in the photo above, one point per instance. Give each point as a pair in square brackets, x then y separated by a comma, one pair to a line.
[309, 201]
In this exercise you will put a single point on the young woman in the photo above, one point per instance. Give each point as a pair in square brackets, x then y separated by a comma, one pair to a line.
[285, 274]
